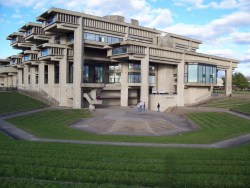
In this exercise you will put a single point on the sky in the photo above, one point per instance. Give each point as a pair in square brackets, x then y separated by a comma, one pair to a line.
[223, 26]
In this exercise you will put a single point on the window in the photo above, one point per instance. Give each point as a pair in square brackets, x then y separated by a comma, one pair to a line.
[29, 79]
[98, 74]
[36, 79]
[151, 78]
[101, 38]
[57, 39]
[13, 61]
[70, 38]
[200, 73]
[86, 74]
[14, 40]
[134, 66]
[151, 67]
[28, 32]
[114, 67]
[45, 52]
[134, 77]
[56, 73]
[46, 74]
[50, 20]
[114, 77]
[26, 58]
[119, 50]
[70, 72]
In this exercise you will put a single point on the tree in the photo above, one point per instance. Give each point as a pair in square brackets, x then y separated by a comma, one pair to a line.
[240, 81]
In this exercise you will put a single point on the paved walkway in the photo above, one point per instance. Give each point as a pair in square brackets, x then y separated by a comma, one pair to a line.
[126, 115]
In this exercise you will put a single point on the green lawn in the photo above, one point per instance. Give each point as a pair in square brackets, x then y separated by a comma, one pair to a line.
[34, 164]
[54, 124]
[236, 104]
[14, 102]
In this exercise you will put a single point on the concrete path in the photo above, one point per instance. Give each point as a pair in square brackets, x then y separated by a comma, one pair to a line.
[19, 134]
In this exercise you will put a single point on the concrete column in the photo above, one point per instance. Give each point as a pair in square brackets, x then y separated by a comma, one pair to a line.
[41, 75]
[14, 80]
[228, 78]
[33, 77]
[19, 77]
[10, 82]
[144, 78]
[124, 84]
[5, 80]
[26, 76]
[62, 80]
[51, 78]
[78, 65]
[180, 82]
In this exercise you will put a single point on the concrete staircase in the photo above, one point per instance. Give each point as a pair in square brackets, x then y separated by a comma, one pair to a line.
[92, 98]
[40, 96]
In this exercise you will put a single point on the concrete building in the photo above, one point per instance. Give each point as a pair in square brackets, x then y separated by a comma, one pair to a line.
[83, 60]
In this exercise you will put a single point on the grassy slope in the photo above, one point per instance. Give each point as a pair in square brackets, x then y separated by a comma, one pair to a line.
[14, 102]
[31, 164]
[53, 124]
[236, 104]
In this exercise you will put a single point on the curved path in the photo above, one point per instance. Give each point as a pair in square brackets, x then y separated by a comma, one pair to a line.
[171, 119]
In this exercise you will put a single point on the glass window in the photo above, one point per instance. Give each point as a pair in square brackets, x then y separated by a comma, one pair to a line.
[119, 50]
[114, 77]
[50, 20]
[45, 52]
[46, 74]
[56, 73]
[101, 38]
[70, 72]
[26, 58]
[200, 73]
[192, 73]
[29, 31]
[57, 40]
[151, 78]
[134, 66]
[14, 39]
[98, 74]
[86, 74]
[134, 77]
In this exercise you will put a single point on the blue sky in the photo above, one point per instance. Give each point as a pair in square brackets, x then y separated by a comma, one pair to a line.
[222, 25]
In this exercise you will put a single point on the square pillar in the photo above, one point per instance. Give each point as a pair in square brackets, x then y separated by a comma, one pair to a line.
[20, 77]
[51, 78]
[78, 65]
[228, 78]
[62, 80]
[41, 75]
[180, 82]
[124, 84]
[33, 77]
[144, 78]
[26, 76]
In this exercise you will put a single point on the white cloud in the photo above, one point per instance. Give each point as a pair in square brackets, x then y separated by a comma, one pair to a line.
[137, 9]
[216, 28]
[223, 4]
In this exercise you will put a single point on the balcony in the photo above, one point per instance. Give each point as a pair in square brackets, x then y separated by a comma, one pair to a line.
[58, 22]
[30, 58]
[34, 32]
[51, 54]
[17, 41]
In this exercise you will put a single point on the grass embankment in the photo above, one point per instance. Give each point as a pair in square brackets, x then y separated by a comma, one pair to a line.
[237, 104]
[34, 164]
[54, 124]
[15, 102]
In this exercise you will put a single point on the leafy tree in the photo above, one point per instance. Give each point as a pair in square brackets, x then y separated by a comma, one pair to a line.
[240, 81]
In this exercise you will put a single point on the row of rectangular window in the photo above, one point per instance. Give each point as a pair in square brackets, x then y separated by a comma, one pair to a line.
[200, 73]
[101, 38]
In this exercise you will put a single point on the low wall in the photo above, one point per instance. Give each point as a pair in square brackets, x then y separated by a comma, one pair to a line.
[165, 101]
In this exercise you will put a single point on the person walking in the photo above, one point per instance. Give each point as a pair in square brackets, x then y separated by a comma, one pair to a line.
[158, 107]
[144, 106]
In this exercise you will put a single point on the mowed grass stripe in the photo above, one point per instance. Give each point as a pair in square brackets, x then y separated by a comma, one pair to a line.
[14, 102]
[54, 124]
